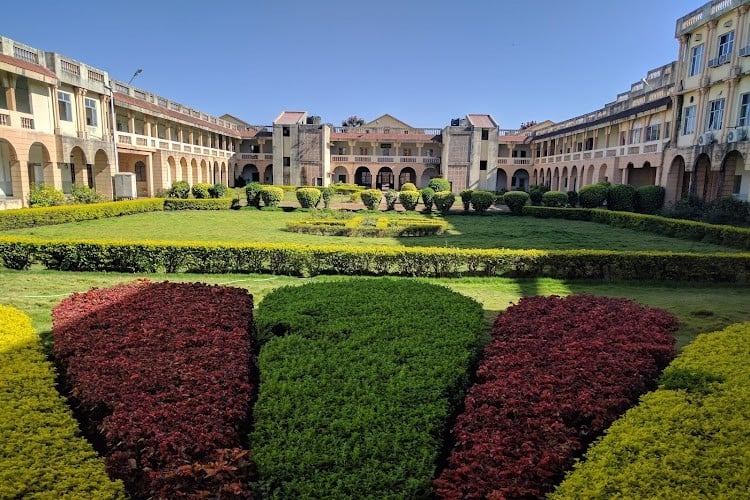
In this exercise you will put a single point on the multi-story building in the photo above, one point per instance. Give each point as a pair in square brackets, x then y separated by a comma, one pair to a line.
[683, 126]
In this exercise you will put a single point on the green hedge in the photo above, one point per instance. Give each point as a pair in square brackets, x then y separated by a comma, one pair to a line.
[198, 204]
[377, 227]
[554, 199]
[42, 454]
[355, 389]
[730, 236]
[689, 439]
[45, 216]
[307, 260]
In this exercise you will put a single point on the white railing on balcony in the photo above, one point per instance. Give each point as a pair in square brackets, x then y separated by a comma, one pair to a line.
[127, 139]
[27, 122]
[514, 161]
[636, 149]
[425, 160]
[5, 119]
[256, 156]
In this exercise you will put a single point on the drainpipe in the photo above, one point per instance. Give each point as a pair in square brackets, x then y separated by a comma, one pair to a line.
[112, 124]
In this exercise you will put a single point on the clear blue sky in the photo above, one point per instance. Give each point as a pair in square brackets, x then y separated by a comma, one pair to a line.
[422, 61]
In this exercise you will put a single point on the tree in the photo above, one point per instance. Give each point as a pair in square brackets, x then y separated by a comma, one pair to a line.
[353, 121]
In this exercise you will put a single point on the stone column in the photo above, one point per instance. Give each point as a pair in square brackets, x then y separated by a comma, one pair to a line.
[80, 113]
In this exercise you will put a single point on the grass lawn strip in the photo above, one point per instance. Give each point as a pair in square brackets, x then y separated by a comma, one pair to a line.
[42, 454]
[689, 439]
[358, 379]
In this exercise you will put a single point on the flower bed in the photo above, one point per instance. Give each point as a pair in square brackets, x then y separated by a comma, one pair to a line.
[558, 372]
[372, 226]
[357, 388]
[42, 454]
[689, 439]
[163, 373]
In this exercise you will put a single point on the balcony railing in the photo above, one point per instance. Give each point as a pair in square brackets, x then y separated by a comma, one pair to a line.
[745, 51]
[514, 161]
[425, 160]
[635, 149]
[718, 61]
[4, 119]
[144, 141]
[256, 156]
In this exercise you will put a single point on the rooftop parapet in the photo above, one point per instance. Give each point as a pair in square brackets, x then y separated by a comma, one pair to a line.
[704, 14]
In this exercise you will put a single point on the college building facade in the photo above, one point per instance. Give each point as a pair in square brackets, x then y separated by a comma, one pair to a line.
[684, 126]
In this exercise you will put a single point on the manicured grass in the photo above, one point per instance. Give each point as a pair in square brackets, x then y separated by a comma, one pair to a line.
[700, 307]
[250, 225]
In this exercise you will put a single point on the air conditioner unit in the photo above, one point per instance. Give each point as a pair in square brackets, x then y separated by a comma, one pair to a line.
[706, 139]
[737, 134]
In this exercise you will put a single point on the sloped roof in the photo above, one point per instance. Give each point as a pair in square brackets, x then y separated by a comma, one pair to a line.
[18, 63]
[363, 136]
[387, 120]
[289, 117]
[483, 121]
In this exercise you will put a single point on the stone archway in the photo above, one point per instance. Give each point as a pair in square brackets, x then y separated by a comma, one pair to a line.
[101, 174]
[678, 180]
[573, 184]
[204, 172]
[39, 166]
[223, 173]
[501, 183]
[268, 175]
[250, 173]
[428, 174]
[602, 177]
[171, 171]
[590, 175]
[407, 174]
[520, 180]
[184, 172]
[10, 173]
[340, 174]
[705, 181]
[195, 174]
[363, 177]
[78, 170]
[730, 178]
[385, 178]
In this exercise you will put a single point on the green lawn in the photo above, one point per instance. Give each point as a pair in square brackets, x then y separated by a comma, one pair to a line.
[700, 307]
[250, 225]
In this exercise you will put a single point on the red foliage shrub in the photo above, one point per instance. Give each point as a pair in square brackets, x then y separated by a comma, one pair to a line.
[557, 373]
[163, 372]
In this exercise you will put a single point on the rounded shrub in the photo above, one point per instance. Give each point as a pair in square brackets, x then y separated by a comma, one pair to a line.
[482, 200]
[535, 193]
[621, 197]
[326, 194]
[439, 184]
[726, 210]
[85, 195]
[46, 196]
[252, 193]
[466, 198]
[409, 199]
[572, 198]
[554, 199]
[217, 191]
[409, 186]
[201, 190]
[391, 197]
[308, 197]
[271, 195]
[593, 195]
[179, 189]
[444, 200]
[649, 199]
[516, 200]
[371, 198]
[428, 195]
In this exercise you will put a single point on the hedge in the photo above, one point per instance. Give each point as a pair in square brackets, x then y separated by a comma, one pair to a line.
[308, 197]
[730, 236]
[409, 199]
[42, 454]
[557, 373]
[689, 439]
[515, 200]
[198, 204]
[378, 227]
[163, 375]
[555, 199]
[308, 260]
[45, 216]
[355, 389]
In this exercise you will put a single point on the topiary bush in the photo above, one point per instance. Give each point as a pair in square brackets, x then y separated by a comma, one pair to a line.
[482, 200]
[391, 197]
[217, 191]
[572, 198]
[535, 193]
[371, 198]
[409, 199]
[271, 196]
[516, 200]
[326, 194]
[556, 199]
[466, 198]
[179, 189]
[45, 195]
[726, 210]
[621, 197]
[201, 190]
[86, 195]
[409, 187]
[593, 195]
[428, 195]
[439, 184]
[308, 197]
[649, 199]
[444, 200]
[252, 194]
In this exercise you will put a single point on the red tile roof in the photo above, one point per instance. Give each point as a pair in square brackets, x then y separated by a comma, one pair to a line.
[484, 121]
[149, 106]
[343, 136]
[27, 66]
[512, 138]
[289, 117]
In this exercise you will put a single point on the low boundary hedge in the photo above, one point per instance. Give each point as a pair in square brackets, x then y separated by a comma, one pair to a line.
[378, 227]
[557, 373]
[356, 390]
[689, 439]
[304, 260]
[45, 216]
[42, 454]
[198, 204]
[731, 236]
[163, 375]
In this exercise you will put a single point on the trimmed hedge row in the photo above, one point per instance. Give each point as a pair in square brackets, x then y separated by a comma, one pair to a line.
[45, 216]
[731, 236]
[42, 454]
[305, 260]
[557, 373]
[356, 391]
[689, 439]
[162, 375]
[379, 227]
[198, 204]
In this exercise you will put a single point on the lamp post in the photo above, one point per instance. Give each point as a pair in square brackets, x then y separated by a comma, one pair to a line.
[137, 72]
